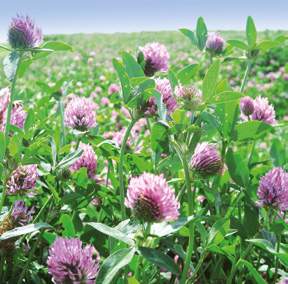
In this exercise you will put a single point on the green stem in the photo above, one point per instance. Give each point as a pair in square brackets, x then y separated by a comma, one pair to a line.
[202, 257]
[223, 155]
[148, 124]
[2, 262]
[121, 161]
[246, 75]
[251, 153]
[247, 251]
[191, 205]
[3, 195]
[77, 144]
[12, 94]
[140, 258]
[61, 111]
[277, 260]
[181, 192]
[31, 254]
[42, 209]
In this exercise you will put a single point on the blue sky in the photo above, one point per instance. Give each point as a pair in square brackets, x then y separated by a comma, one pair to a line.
[109, 16]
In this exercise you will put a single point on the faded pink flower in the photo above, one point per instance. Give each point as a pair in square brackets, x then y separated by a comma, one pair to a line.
[151, 199]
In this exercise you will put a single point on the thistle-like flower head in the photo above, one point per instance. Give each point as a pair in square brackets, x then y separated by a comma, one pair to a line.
[151, 199]
[69, 262]
[23, 33]
[273, 190]
[23, 181]
[19, 213]
[156, 57]
[206, 160]
[247, 105]
[214, 44]
[263, 111]
[87, 160]
[79, 114]
[190, 97]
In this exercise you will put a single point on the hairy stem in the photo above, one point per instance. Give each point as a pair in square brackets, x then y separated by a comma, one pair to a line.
[61, 111]
[246, 75]
[191, 205]
[31, 254]
[121, 161]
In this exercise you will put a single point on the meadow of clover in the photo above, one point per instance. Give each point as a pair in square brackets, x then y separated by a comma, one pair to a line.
[157, 157]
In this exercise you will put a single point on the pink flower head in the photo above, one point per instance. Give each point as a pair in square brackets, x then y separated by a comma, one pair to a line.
[69, 262]
[87, 160]
[156, 57]
[163, 86]
[19, 213]
[151, 199]
[263, 111]
[214, 44]
[206, 160]
[190, 97]
[113, 88]
[247, 105]
[92, 53]
[23, 181]
[23, 33]
[105, 101]
[119, 136]
[79, 114]
[4, 101]
[273, 190]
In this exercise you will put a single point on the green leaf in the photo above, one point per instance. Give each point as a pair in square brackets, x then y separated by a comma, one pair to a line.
[132, 67]
[185, 74]
[113, 264]
[10, 64]
[269, 237]
[59, 84]
[54, 150]
[173, 80]
[164, 228]
[124, 79]
[58, 46]
[3, 147]
[238, 168]
[281, 38]
[69, 159]
[259, 279]
[251, 220]
[159, 136]
[191, 36]
[113, 233]
[24, 65]
[81, 177]
[68, 225]
[267, 246]
[132, 280]
[238, 43]
[251, 32]
[264, 45]
[201, 33]
[19, 231]
[160, 259]
[29, 121]
[250, 130]
[210, 80]
[141, 87]
[278, 153]
[45, 87]
[218, 232]
[115, 98]
[15, 148]
[141, 60]
[225, 97]
[5, 47]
